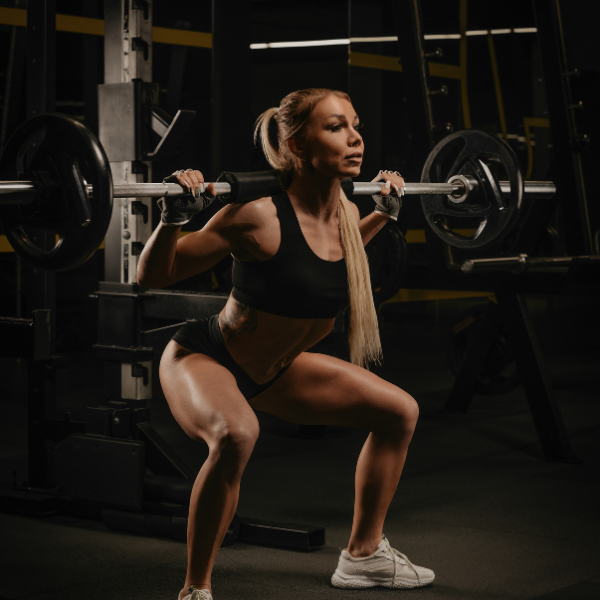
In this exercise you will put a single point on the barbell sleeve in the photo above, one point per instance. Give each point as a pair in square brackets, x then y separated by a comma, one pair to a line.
[533, 190]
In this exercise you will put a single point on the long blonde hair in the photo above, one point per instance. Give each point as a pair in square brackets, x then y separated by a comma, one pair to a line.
[291, 117]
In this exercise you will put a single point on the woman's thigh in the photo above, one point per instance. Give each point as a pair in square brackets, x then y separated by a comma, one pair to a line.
[321, 389]
[204, 397]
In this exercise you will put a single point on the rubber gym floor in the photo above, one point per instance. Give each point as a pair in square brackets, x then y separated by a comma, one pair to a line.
[476, 503]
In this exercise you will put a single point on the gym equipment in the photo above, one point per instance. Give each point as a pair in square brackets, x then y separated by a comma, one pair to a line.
[498, 374]
[473, 157]
[54, 175]
[63, 161]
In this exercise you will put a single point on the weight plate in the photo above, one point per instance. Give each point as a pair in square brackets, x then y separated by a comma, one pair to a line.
[487, 210]
[499, 374]
[62, 155]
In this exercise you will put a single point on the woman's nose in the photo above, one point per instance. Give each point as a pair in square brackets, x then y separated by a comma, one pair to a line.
[355, 140]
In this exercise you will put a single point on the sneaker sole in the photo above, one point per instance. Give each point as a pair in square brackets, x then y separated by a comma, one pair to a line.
[361, 582]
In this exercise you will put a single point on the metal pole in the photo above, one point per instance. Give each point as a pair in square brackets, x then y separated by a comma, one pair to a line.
[41, 285]
[127, 57]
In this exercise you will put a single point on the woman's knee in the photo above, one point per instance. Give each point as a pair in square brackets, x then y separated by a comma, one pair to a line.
[233, 440]
[402, 414]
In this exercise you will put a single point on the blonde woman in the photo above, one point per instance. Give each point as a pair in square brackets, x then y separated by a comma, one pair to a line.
[298, 259]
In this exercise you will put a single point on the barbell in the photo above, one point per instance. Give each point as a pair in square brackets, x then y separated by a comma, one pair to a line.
[55, 175]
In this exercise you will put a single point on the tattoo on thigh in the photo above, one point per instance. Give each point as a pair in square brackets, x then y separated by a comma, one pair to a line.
[238, 319]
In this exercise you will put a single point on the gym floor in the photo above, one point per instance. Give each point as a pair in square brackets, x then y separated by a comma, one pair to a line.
[477, 503]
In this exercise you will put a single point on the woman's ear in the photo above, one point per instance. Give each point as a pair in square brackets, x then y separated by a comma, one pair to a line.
[295, 148]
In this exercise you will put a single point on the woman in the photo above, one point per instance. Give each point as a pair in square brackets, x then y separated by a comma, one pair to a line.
[298, 259]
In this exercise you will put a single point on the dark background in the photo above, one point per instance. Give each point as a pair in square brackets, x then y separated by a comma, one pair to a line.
[379, 96]
[478, 503]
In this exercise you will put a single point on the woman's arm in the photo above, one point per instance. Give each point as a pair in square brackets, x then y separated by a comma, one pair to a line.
[371, 225]
[167, 259]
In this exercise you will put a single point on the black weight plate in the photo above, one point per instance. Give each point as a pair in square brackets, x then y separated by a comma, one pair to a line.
[499, 374]
[387, 254]
[62, 154]
[478, 155]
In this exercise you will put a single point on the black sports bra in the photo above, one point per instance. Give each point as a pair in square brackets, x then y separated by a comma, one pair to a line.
[294, 282]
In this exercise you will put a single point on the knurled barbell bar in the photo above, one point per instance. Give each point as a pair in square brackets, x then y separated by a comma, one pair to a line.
[14, 193]
[54, 175]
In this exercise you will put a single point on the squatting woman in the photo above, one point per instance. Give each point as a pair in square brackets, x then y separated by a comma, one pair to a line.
[298, 259]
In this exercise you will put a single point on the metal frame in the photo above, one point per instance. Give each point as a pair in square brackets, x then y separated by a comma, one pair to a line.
[128, 57]
[511, 312]
[510, 277]
[567, 144]
[126, 323]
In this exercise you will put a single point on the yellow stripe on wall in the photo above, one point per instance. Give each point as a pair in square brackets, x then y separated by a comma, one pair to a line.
[415, 236]
[375, 61]
[392, 63]
[17, 17]
[182, 37]
[73, 24]
[447, 71]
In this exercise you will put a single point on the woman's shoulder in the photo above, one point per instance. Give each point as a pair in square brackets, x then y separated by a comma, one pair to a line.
[256, 213]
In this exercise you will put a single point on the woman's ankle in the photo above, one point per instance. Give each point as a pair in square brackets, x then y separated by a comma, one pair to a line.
[361, 549]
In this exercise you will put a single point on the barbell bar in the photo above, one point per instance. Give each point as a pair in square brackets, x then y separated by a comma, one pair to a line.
[25, 192]
[55, 175]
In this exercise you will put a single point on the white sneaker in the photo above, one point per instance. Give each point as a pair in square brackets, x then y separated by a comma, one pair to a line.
[194, 594]
[386, 568]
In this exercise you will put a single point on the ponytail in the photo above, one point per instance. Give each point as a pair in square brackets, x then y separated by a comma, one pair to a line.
[363, 338]
[261, 130]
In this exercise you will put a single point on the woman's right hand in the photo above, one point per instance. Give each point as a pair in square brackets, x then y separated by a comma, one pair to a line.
[177, 211]
[192, 180]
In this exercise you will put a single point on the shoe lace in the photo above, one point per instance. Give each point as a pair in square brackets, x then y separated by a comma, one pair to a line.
[395, 554]
[199, 594]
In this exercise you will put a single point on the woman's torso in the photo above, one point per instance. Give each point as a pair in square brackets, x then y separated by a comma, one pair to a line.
[262, 342]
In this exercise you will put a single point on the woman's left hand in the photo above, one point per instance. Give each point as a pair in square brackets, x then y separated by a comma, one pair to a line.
[389, 204]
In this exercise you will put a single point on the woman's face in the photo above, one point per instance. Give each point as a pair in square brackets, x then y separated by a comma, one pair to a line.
[331, 142]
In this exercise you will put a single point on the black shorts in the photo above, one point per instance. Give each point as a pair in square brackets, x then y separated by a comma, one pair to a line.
[204, 336]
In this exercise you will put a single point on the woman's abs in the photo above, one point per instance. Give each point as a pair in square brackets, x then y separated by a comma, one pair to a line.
[263, 343]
